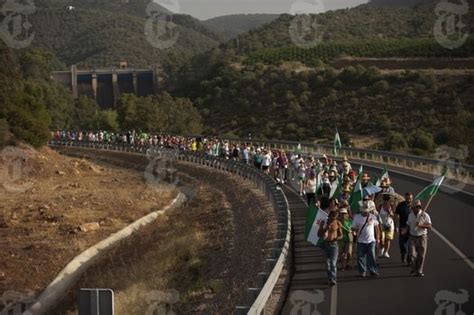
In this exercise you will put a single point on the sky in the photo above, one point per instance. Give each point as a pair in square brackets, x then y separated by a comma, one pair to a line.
[205, 9]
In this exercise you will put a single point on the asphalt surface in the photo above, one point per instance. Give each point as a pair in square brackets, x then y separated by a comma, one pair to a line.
[395, 291]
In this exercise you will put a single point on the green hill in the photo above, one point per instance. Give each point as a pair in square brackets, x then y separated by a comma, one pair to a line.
[103, 33]
[277, 103]
[400, 3]
[232, 25]
[365, 22]
[377, 48]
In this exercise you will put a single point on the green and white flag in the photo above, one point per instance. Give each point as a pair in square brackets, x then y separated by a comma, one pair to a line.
[298, 149]
[361, 170]
[432, 189]
[336, 188]
[356, 197]
[384, 175]
[313, 221]
[337, 143]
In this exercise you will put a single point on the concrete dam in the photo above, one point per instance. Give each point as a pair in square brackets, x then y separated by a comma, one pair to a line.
[106, 86]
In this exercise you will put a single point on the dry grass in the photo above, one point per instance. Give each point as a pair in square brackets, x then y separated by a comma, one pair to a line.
[39, 231]
[196, 250]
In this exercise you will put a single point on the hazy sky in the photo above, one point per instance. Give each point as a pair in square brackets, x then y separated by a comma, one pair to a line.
[205, 9]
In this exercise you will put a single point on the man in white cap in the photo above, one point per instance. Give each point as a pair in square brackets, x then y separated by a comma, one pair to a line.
[366, 225]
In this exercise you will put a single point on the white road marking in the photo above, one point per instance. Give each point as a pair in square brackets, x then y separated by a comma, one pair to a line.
[454, 189]
[454, 248]
[333, 309]
[438, 233]
[333, 306]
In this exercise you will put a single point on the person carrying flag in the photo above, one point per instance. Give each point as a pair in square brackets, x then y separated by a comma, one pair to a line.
[418, 224]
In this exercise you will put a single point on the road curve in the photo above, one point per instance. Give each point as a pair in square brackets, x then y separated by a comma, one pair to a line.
[395, 292]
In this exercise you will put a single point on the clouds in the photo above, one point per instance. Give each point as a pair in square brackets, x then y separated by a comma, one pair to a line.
[204, 9]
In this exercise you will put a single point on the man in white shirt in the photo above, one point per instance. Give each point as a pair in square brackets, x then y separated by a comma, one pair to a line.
[418, 224]
[366, 226]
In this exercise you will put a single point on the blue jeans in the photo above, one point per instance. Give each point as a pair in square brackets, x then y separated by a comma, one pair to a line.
[331, 250]
[366, 257]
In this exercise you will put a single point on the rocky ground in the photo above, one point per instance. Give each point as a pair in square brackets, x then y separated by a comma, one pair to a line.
[53, 207]
[200, 258]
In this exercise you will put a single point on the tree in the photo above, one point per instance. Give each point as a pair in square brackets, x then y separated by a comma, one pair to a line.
[161, 113]
[423, 141]
[107, 120]
[395, 141]
[85, 113]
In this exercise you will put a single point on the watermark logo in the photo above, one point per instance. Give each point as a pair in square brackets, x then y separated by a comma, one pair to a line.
[15, 28]
[161, 303]
[449, 28]
[452, 158]
[14, 169]
[306, 302]
[304, 29]
[161, 171]
[449, 303]
[16, 303]
[160, 30]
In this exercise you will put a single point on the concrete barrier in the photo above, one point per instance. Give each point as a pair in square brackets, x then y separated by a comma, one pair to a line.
[56, 290]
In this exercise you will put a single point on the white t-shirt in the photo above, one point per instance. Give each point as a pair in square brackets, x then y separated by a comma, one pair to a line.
[311, 185]
[386, 219]
[413, 221]
[366, 235]
[266, 160]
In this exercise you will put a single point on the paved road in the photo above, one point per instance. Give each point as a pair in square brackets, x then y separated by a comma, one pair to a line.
[394, 292]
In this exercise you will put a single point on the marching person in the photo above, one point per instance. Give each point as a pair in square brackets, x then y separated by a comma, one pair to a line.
[403, 211]
[331, 232]
[310, 186]
[388, 225]
[366, 225]
[301, 176]
[418, 224]
[346, 242]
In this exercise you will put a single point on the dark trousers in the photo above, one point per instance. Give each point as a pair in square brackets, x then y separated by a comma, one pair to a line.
[403, 242]
[311, 198]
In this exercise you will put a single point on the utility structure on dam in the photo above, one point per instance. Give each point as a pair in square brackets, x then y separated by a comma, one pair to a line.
[106, 86]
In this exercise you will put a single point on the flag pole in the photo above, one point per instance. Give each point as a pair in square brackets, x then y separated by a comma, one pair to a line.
[428, 203]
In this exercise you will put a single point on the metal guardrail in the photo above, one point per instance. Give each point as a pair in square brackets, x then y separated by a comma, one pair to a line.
[258, 297]
[455, 170]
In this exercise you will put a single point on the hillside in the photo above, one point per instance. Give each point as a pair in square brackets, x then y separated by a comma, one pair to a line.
[399, 3]
[365, 22]
[103, 33]
[399, 107]
[232, 25]
[376, 48]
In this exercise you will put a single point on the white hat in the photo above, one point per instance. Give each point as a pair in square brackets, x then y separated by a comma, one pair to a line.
[343, 210]
[371, 205]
